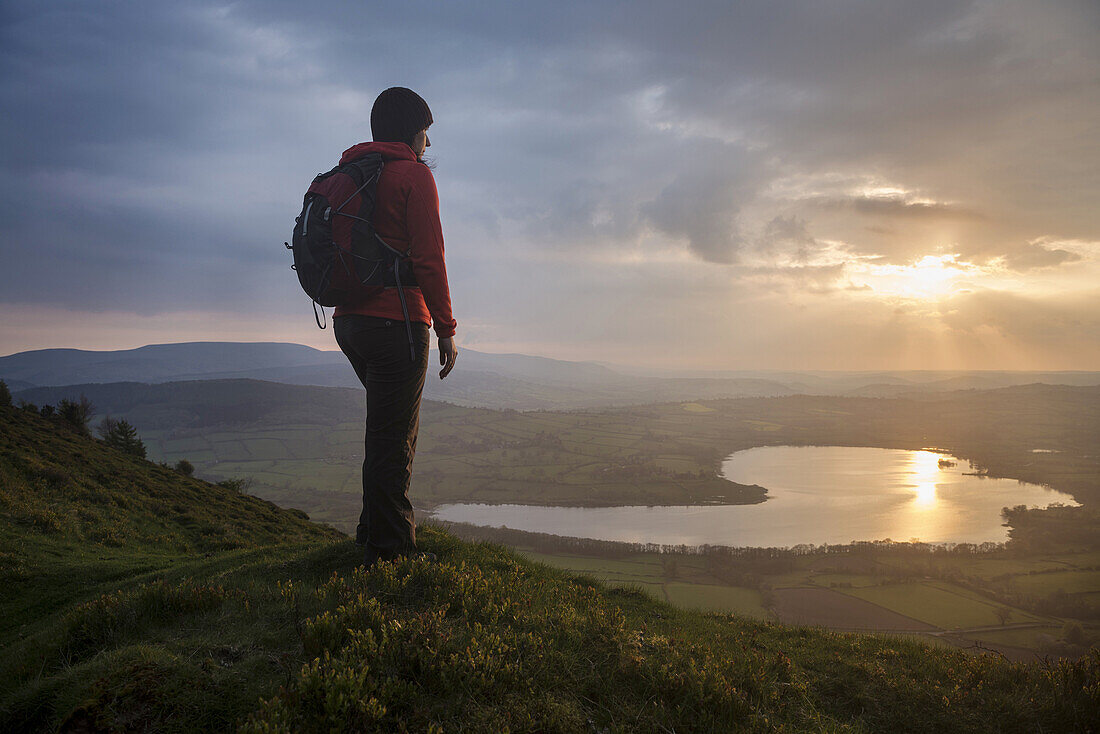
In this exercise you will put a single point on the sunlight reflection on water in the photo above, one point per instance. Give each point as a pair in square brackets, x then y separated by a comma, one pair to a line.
[817, 494]
[925, 470]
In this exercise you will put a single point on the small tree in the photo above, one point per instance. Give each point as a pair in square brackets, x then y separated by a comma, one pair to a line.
[106, 427]
[1004, 614]
[76, 413]
[185, 467]
[5, 394]
[46, 411]
[240, 485]
[122, 436]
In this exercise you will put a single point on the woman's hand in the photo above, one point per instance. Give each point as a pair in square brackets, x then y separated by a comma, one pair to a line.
[447, 355]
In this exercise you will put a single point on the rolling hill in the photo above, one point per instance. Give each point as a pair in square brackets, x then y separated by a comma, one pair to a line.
[136, 599]
[515, 381]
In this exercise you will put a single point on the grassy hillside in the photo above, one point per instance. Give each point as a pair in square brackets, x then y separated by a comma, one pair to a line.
[136, 599]
[75, 512]
[70, 492]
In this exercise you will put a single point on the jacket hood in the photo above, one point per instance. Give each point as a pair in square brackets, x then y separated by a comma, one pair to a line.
[389, 151]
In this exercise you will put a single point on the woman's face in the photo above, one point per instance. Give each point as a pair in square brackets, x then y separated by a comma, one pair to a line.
[420, 142]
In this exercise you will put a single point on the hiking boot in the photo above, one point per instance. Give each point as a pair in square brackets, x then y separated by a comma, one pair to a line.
[372, 556]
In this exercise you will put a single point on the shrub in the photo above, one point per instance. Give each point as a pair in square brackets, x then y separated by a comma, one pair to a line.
[240, 485]
[122, 436]
[5, 394]
[76, 412]
[106, 427]
[46, 411]
[185, 467]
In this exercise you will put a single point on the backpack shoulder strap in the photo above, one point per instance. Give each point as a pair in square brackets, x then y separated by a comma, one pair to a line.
[365, 172]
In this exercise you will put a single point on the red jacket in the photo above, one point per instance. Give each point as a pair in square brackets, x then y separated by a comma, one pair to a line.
[406, 216]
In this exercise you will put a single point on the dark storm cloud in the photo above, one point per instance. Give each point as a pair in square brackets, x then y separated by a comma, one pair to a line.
[155, 152]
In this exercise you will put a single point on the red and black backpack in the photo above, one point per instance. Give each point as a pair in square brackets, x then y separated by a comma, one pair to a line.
[337, 252]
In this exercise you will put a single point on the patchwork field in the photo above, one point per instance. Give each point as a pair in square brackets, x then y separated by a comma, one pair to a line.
[715, 598]
[934, 610]
[828, 608]
[938, 604]
[1025, 638]
[681, 581]
[1070, 582]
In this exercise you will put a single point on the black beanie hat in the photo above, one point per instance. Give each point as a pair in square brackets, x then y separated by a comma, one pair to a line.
[398, 114]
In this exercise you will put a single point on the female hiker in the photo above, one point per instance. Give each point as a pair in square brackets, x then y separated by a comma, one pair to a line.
[371, 330]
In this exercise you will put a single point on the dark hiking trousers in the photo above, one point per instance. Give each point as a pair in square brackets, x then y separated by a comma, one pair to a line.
[378, 350]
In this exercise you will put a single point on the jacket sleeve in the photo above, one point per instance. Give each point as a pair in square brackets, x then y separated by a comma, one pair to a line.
[426, 250]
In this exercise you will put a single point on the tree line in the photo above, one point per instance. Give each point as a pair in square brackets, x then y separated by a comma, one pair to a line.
[618, 549]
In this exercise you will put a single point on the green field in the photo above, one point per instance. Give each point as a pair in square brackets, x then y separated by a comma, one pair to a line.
[843, 580]
[687, 586]
[1071, 582]
[943, 605]
[685, 581]
[989, 568]
[1028, 639]
[643, 571]
[713, 598]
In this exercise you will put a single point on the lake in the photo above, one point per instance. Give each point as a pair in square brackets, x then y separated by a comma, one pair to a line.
[816, 494]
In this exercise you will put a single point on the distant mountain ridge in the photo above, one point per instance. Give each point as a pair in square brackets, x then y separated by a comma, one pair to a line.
[220, 360]
[155, 362]
[517, 381]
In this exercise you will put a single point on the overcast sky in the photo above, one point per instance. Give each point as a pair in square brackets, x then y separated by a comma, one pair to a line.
[821, 185]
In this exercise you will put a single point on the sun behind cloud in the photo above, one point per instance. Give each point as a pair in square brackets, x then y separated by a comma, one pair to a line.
[931, 277]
